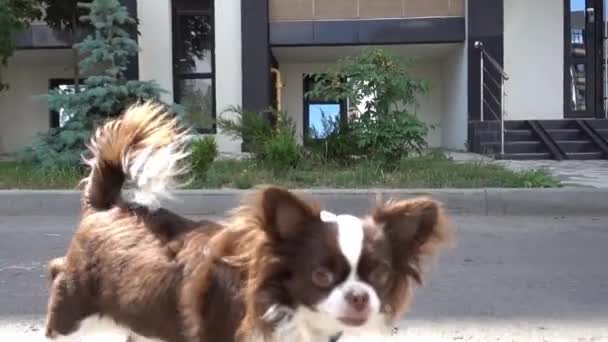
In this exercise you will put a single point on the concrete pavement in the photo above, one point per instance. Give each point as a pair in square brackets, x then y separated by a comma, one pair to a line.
[525, 278]
[490, 202]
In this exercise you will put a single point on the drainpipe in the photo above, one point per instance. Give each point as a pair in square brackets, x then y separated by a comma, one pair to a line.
[278, 86]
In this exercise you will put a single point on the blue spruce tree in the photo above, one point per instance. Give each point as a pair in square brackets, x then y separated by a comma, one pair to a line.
[106, 92]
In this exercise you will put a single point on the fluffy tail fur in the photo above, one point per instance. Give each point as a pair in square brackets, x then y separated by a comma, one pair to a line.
[143, 147]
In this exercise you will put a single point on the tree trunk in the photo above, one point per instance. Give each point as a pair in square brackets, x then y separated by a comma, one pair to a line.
[76, 56]
[75, 52]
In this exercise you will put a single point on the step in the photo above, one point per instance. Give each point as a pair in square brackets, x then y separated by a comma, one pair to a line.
[575, 146]
[567, 134]
[586, 156]
[559, 124]
[519, 135]
[525, 156]
[485, 137]
[516, 125]
[603, 132]
[525, 147]
[598, 124]
[517, 147]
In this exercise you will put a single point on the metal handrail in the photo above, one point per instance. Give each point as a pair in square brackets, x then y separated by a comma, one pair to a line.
[479, 46]
[503, 77]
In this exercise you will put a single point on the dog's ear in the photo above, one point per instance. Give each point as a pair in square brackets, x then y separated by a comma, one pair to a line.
[414, 228]
[286, 214]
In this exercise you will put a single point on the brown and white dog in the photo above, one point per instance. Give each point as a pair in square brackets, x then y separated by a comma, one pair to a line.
[278, 269]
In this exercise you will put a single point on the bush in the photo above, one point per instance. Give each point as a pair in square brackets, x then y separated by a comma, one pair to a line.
[273, 147]
[395, 136]
[251, 127]
[335, 143]
[384, 129]
[204, 152]
[281, 152]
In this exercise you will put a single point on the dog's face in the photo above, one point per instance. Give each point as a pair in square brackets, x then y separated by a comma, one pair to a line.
[343, 273]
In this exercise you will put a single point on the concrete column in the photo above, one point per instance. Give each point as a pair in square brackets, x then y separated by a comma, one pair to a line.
[156, 44]
[228, 65]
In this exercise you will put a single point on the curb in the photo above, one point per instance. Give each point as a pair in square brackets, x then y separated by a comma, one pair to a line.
[485, 202]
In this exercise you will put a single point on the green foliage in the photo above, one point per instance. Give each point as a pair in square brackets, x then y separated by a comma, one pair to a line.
[245, 180]
[538, 179]
[250, 127]
[19, 175]
[333, 143]
[65, 14]
[15, 16]
[106, 93]
[281, 152]
[393, 137]
[377, 84]
[274, 147]
[429, 171]
[204, 151]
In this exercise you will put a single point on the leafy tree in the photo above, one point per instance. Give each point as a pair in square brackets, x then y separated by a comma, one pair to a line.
[15, 16]
[105, 93]
[379, 88]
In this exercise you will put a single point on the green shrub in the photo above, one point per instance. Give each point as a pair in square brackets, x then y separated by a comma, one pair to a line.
[391, 138]
[273, 146]
[204, 152]
[244, 180]
[250, 127]
[281, 152]
[538, 179]
[335, 143]
[384, 130]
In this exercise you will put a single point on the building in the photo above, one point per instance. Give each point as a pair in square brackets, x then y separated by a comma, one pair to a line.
[209, 55]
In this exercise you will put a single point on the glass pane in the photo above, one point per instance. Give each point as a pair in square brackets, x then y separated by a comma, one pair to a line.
[195, 41]
[579, 86]
[578, 20]
[196, 96]
[323, 119]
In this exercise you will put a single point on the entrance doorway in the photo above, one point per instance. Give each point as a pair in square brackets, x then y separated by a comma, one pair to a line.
[584, 57]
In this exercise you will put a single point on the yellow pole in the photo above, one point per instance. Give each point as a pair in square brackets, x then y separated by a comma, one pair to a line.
[278, 86]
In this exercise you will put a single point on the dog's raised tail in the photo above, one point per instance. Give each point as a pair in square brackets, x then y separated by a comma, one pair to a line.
[144, 147]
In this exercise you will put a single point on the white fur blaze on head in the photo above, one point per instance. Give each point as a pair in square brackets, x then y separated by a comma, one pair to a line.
[350, 236]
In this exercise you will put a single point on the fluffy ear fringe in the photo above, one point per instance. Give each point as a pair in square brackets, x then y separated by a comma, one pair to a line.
[419, 228]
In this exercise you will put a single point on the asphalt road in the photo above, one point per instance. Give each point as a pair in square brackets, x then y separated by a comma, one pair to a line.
[507, 279]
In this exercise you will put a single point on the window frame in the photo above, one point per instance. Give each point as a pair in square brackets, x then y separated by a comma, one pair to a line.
[182, 8]
[307, 80]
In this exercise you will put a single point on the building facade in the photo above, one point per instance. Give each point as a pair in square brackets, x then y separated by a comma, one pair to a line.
[543, 65]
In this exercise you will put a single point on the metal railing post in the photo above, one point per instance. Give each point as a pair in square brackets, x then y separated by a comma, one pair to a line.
[481, 91]
[502, 116]
[482, 103]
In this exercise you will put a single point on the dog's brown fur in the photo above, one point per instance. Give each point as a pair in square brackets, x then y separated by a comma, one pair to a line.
[167, 277]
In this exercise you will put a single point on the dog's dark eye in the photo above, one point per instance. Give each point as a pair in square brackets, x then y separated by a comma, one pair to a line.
[322, 277]
[380, 275]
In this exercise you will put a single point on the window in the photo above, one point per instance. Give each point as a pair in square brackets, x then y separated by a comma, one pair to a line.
[193, 62]
[58, 119]
[320, 115]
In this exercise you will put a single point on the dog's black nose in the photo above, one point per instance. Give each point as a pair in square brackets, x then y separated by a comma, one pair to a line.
[357, 300]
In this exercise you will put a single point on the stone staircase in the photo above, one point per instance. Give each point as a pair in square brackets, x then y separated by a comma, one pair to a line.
[542, 139]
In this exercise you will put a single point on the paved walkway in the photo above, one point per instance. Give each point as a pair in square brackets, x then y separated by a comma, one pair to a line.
[524, 279]
[585, 173]
[588, 173]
